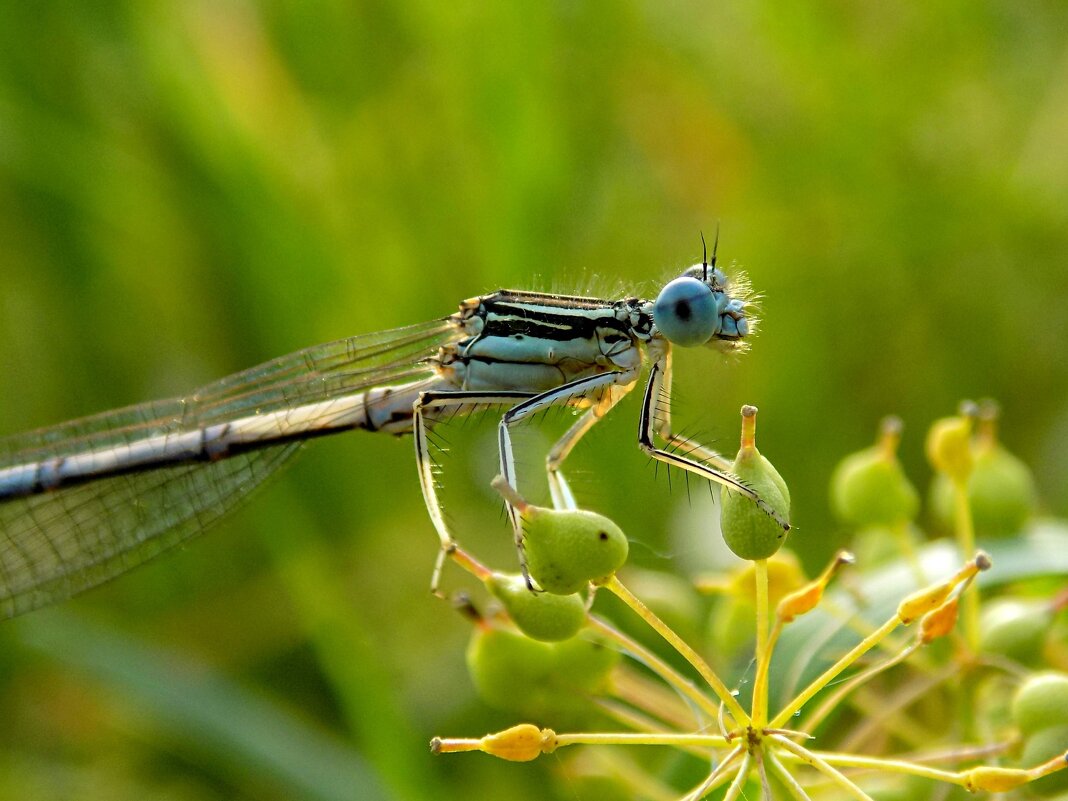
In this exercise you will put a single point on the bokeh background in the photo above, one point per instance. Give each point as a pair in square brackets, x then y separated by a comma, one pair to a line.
[189, 188]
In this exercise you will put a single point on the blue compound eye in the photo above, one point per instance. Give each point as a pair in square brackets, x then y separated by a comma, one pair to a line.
[686, 312]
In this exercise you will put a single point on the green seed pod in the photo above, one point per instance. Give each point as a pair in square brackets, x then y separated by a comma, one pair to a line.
[1041, 702]
[870, 488]
[1040, 747]
[540, 615]
[1015, 628]
[508, 669]
[1002, 492]
[566, 550]
[584, 664]
[748, 530]
[537, 680]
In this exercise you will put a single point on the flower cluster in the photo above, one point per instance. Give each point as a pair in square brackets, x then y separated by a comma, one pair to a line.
[871, 691]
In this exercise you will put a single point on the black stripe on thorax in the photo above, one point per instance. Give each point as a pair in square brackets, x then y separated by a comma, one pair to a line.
[507, 317]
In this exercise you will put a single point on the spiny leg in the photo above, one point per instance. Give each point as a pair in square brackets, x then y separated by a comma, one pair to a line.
[581, 387]
[432, 401]
[647, 426]
[662, 426]
[558, 487]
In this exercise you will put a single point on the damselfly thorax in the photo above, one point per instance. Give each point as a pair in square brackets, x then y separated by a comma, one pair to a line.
[84, 501]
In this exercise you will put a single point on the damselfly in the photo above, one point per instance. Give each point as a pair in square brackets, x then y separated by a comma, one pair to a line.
[87, 500]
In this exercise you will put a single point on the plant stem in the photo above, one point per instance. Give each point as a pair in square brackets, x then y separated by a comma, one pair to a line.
[615, 586]
[831, 702]
[642, 738]
[888, 766]
[789, 782]
[832, 672]
[966, 543]
[657, 665]
[763, 651]
[718, 775]
[822, 766]
[740, 779]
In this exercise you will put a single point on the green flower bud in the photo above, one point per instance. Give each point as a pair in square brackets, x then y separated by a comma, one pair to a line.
[538, 680]
[1041, 702]
[566, 549]
[1001, 491]
[508, 669]
[1041, 747]
[540, 615]
[748, 530]
[1015, 628]
[870, 488]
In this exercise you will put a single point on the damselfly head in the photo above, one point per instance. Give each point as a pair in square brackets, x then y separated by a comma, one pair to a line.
[700, 307]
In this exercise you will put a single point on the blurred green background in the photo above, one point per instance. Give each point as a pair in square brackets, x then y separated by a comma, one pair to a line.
[188, 188]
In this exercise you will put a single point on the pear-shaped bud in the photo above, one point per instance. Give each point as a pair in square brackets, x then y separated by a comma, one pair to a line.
[1041, 702]
[748, 530]
[870, 488]
[535, 679]
[1015, 628]
[567, 549]
[508, 669]
[541, 615]
[1043, 746]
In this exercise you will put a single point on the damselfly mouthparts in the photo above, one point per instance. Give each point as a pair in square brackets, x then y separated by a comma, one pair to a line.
[84, 501]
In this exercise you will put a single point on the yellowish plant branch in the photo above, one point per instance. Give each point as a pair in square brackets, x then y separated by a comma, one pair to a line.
[834, 670]
[642, 738]
[831, 702]
[735, 790]
[822, 766]
[720, 774]
[763, 649]
[965, 530]
[788, 781]
[616, 587]
[655, 664]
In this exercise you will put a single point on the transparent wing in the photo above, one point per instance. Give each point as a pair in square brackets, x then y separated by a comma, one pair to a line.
[316, 373]
[59, 543]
